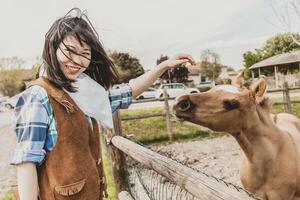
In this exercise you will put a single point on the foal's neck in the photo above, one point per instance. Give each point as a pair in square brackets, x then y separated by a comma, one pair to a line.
[261, 139]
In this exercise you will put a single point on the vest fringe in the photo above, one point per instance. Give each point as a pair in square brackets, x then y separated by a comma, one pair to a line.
[70, 189]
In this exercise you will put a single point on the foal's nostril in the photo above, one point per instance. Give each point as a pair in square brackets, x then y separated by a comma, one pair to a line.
[184, 105]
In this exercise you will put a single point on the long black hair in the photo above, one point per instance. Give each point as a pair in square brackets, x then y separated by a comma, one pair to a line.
[101, 68]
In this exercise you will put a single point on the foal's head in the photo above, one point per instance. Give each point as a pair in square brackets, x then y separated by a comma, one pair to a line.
[228, 108]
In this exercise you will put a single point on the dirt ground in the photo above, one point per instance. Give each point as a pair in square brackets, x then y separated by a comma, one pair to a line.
[220, 157]
[7, 172]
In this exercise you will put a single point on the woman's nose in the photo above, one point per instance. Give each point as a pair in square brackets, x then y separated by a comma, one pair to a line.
[77, 59]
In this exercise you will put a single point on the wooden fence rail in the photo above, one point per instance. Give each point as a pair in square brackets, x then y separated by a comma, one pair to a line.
[198, 184]
[281, 90]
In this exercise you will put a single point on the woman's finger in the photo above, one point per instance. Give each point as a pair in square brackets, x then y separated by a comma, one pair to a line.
[185, 56]
[179, 62]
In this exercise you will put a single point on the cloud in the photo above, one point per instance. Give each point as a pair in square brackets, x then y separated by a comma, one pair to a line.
[143, 28]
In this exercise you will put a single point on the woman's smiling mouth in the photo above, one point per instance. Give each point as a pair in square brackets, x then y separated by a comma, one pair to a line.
[72, 69]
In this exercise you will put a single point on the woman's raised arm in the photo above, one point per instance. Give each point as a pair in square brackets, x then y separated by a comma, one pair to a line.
[141, 83]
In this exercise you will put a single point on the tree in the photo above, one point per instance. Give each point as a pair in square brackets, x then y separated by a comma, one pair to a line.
[180, 74]
[250, 58]
[288, 15]
[280, 43]
[210, 66]
[230, 69]
[11, 62]
[166, 76]
[175, 75]
[12, 75]
[128, 66]
[36, 66]
[11, 81]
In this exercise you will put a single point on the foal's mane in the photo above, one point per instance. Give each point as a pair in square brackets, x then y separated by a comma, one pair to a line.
[267, 104]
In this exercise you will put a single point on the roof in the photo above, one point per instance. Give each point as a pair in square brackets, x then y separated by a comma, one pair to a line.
[290, 57]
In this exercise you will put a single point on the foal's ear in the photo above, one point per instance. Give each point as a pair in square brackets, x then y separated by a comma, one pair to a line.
[258, 89]
[239, 80]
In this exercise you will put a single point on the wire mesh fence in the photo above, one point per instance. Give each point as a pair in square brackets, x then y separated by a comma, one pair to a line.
[147, 184]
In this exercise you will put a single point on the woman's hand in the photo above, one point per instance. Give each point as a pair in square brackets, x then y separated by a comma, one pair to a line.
[108, 136]
[176, 61]
[141, 83]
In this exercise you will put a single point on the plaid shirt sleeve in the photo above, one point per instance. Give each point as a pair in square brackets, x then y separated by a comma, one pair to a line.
[31, 124]
[120, 96]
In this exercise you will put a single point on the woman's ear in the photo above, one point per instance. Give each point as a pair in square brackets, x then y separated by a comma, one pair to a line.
[239, 80]
[258, 90]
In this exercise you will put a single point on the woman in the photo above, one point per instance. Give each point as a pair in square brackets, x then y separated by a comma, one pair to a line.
[57, 154]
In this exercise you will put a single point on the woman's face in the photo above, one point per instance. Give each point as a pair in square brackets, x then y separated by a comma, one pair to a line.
[77, 64]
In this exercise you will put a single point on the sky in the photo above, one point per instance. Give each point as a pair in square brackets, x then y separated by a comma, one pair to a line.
[148, 28]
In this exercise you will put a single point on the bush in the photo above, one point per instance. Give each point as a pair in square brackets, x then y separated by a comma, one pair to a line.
[204, 88]
[12, 81]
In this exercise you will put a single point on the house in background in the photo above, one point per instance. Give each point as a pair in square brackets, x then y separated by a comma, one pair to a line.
[226, 76]
[278, 69]
[196, 76]
[199, 79]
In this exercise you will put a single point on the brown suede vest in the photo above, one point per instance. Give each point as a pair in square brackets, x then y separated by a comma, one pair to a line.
[73, 169]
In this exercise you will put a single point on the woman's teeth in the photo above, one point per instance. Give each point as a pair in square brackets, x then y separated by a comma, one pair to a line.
[73, 68]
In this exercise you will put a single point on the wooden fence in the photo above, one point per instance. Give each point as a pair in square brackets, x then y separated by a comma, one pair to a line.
[199, 185]
[287, 103]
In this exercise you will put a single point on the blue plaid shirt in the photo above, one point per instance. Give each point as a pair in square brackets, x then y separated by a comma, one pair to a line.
[35, 126]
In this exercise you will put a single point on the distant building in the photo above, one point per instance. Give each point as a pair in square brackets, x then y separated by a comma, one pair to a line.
[226, 76]
[195, 74]
[283, 67]
[199, 79]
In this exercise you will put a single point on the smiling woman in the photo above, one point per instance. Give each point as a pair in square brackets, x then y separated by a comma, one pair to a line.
[56, 118]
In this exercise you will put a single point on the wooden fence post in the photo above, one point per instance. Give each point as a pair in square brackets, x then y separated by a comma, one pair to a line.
[286, 98]
[168, 115]
[117, 157]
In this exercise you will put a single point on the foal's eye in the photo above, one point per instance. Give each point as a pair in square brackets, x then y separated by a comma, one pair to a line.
[231, 104]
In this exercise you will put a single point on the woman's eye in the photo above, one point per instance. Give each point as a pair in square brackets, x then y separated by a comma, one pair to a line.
[68, 51]
[86, 53]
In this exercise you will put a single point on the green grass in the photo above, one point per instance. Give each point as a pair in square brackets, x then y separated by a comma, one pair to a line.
[295, 109]
[153, 130]
[8, 196]
[280, 108]
[111, 187]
